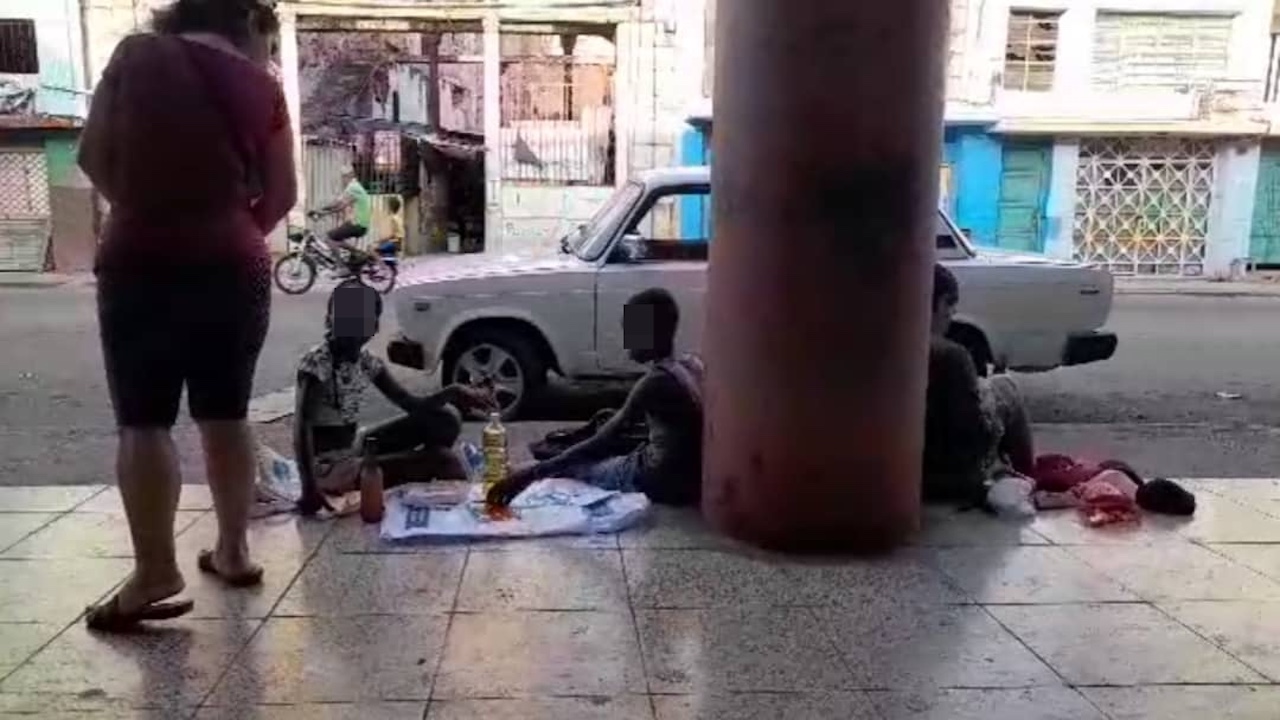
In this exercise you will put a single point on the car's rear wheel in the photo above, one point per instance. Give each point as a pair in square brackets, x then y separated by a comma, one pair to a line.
[503, 356]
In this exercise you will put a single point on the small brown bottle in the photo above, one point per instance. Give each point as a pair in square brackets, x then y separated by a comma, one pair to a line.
[372, 503]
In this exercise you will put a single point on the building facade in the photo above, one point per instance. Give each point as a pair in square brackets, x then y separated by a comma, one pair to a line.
[1127, 133]
[46, 207]
[1136, 134]
[546, 170]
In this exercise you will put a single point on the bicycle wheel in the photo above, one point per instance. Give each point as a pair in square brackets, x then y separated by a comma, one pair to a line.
[295, 273]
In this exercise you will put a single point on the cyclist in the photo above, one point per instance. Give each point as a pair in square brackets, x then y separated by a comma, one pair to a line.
[356, 207]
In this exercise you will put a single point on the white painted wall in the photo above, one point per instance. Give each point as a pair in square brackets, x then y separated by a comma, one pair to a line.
[1074, 104]
[61, 85]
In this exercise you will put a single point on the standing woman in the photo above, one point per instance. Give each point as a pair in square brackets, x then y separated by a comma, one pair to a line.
[189, 140]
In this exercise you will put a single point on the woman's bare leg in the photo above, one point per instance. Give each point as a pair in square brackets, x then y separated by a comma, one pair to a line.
[149, 478]
[231, 465]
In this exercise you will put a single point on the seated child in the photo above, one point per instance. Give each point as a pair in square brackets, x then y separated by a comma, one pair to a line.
[667, 465]
[331, 383]
[392, 245]
[976, 429]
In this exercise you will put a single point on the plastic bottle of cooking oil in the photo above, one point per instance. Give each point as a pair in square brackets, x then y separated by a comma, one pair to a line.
[493, 443]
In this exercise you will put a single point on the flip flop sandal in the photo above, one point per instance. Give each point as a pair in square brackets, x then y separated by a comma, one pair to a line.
[108, 617]
[246, 579]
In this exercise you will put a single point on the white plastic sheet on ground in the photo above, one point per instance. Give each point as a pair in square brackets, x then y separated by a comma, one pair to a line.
[554, 506]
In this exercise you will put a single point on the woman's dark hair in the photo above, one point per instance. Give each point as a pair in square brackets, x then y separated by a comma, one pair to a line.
[231, 19]
[945, 286]
[666, 314]
[395, 203]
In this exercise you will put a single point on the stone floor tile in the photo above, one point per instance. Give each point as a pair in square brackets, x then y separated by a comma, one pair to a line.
[671, 528]
[1179, 572]
[16, 526]
[333, 584]
[1187, 702]
[706, 578]
[1222, 520]
[513, 654]
[1262, 558]
[607, 541]
[765, 706]
[1246, 489]
[1248, 630]
[281, 544]
[718, 578]
[625, 707]
[351, 535]
[1042, 703]
[86, 535]
[56, 591]
[545, 579]
[194, 497]
[19, 641]
[888, 646]
[318, 711]
[1026, 574]
[1063, 527]
[744, 649]
[166, 666]
[49, 499]
[904, 578]
[1119, 645]
[31, 707]
[335, 660]
[945, 527]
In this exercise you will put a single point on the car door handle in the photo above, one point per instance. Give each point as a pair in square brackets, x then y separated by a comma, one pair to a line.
[1090, 290]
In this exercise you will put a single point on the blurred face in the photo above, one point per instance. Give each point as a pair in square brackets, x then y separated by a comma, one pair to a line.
[353, 321]
[639, 333]
[944, 311]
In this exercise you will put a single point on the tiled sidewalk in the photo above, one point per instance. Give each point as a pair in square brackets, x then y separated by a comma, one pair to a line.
[981, 619]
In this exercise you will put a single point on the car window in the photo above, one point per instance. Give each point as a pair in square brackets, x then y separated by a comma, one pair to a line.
[590, 240]
[675, 215]
[945, 239]
[674, 224]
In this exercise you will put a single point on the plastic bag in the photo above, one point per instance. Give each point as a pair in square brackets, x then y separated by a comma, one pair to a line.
[1010, 497]
[1108, 498]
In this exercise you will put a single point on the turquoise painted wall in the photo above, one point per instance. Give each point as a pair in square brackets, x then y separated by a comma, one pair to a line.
[695, 212]
[1265, 230]
[976, 158]
[977, 162]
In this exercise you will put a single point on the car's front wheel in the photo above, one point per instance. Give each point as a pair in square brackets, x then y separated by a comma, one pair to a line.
[505, 357]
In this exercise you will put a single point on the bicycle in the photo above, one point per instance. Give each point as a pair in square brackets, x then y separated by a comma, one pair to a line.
[296, 272]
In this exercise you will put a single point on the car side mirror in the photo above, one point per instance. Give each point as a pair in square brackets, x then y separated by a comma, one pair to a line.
[630, 249]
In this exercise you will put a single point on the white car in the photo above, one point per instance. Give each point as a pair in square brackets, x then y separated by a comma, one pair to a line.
[513, 319]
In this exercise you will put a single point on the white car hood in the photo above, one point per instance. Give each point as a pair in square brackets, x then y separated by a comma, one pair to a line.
[476, 266]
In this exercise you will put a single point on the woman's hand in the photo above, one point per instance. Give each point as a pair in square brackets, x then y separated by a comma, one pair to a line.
[516, 482]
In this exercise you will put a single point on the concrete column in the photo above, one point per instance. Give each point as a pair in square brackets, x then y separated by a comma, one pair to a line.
[492, 133]
[818, 295]
[289, 64]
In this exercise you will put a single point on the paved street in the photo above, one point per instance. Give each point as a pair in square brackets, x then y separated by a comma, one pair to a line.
[1155, 403]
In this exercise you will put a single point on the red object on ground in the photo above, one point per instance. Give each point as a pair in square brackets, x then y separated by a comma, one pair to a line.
[1108, 498]
[1059, 473]
[818, 290]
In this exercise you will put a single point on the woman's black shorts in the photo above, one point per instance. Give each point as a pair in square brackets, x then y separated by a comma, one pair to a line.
[198, 327]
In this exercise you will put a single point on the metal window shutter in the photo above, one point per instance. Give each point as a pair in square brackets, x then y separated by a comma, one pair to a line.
[1159, 50]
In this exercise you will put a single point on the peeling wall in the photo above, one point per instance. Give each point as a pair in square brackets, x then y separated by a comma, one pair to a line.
[61, 82]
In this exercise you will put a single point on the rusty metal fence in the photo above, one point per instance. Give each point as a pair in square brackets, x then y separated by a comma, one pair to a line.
[557, 123]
